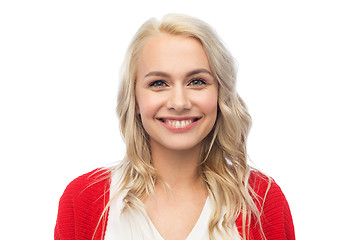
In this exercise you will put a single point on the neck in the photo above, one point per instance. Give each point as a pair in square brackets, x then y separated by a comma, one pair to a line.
[177, 168]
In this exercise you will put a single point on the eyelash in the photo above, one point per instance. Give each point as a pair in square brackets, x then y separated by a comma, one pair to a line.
[200, 80]
[162, 83]
[154, 83]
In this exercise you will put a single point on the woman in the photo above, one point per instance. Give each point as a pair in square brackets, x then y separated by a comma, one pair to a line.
[185, 173]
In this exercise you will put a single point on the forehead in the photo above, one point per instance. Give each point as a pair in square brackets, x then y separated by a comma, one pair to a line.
[174, 54]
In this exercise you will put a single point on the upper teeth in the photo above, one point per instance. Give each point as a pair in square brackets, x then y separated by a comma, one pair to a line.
[178, 124]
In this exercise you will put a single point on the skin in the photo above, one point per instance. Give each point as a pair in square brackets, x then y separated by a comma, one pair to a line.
[177, 100]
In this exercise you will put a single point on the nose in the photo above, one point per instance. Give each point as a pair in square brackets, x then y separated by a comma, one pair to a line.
[179, 99]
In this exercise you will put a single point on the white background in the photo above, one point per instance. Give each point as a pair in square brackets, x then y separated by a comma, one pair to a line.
[59, 67]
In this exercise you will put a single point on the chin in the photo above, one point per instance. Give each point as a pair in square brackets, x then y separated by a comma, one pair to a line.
[181, 146]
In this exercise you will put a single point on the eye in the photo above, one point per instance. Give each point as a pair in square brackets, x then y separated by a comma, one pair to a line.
[197, 82]
[158, 84]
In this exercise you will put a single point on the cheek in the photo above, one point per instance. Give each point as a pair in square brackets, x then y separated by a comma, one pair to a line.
[147, 105]
[208, 102]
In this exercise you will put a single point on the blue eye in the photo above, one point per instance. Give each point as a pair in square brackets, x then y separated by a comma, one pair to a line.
[158, 83]
[198, 82]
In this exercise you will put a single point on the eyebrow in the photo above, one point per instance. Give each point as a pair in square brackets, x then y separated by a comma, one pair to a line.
[163, 74]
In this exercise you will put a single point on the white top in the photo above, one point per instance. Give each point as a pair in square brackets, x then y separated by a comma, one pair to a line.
[137, 225]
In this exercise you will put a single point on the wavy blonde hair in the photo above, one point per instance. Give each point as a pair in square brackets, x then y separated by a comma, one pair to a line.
[224, 165]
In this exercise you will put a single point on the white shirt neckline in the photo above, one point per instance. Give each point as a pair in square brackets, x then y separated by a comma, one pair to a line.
[195, 232]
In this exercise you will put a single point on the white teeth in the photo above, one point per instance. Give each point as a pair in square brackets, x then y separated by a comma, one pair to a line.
[178, 124]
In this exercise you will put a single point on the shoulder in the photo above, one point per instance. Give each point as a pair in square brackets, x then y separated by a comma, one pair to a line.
[82, 204]
[88, 183]
[276, 218]
[87, 188]
[264, 186]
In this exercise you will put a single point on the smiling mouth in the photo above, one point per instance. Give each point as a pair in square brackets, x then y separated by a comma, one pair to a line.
[178, 123]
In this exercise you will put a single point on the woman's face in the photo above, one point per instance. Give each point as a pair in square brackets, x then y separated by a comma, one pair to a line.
[175, 91]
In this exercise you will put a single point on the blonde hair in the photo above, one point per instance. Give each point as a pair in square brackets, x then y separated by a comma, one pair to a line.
[223, 156]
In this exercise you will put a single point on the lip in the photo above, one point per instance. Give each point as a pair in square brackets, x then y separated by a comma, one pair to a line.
[195, 120]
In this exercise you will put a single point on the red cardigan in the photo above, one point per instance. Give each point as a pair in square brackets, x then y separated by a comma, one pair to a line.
[84, 199]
